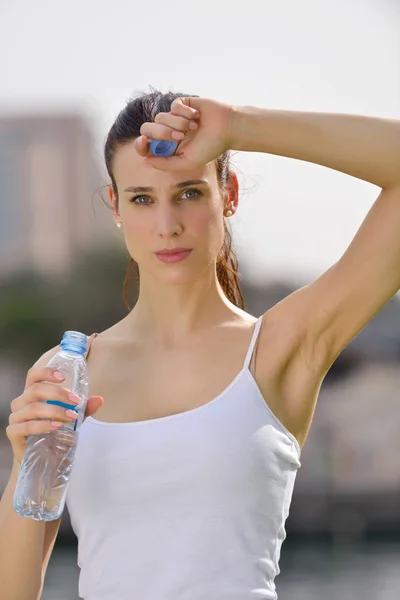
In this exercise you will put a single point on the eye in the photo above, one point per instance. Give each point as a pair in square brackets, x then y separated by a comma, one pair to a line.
[142, 200]
[191, 191]
[135, 200]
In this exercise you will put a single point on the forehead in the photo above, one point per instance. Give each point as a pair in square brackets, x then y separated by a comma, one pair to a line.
[129, 169]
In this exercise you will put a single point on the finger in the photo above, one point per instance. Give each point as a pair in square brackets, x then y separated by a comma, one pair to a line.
[48, 391]
[21, 430]
[182, 107]
[156, 131]
[42, 391]
[93, 405]
[51, 412]
[141, 145]
[41, 374]
[175, 122]
[42, 411]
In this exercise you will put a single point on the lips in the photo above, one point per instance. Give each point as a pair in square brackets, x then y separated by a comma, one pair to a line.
[169, 251]
[173, 255]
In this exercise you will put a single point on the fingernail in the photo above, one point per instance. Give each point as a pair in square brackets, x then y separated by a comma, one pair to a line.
[177, 135]
[193, 125]
[59, 376]
[71, 414]
[74, 398]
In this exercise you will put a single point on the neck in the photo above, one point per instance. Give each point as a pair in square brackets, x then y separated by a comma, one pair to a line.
[167, 313]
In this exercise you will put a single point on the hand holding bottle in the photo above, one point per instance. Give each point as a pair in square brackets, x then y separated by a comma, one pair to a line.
[30, 414]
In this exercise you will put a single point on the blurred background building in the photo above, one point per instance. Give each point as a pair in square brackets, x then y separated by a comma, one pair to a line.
[48, 175]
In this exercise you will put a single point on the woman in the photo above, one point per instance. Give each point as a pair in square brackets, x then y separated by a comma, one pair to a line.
[182, 483]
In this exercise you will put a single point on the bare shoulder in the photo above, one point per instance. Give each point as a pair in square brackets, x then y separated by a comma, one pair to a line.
[288, 370]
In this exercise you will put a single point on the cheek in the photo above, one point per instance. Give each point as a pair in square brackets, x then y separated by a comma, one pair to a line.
[138, 222]
[209, 220]
[137, 235]
[209, 227]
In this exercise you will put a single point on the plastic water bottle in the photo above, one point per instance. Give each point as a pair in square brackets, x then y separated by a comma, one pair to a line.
[46, 466]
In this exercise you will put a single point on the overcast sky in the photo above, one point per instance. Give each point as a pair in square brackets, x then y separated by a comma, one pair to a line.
[342, 56]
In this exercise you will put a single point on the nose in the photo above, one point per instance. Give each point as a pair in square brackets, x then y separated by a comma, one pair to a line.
[168, 221]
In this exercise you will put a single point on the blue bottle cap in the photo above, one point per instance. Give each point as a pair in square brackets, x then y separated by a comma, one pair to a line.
[74, 341]
[163, 147]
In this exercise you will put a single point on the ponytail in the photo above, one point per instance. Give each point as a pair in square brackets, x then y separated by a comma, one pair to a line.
[228, 271]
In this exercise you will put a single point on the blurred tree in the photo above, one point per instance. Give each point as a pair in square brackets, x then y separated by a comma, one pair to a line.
[28, 315]
[35, 312]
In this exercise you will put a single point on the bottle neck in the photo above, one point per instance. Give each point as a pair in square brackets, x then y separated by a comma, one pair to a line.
[70, 353]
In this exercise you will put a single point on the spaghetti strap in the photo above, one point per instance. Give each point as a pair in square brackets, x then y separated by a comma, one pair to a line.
[89, 343]
[253, 341]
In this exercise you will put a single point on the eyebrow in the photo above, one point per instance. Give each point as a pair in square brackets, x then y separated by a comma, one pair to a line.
[180, 185]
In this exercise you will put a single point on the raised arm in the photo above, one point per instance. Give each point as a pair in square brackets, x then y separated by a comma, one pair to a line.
[346, 297]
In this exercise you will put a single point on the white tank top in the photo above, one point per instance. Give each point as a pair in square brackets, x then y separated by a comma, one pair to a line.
[190, 506]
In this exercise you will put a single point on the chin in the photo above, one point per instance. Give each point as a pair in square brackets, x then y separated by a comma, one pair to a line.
[178, 276]
[183, 273]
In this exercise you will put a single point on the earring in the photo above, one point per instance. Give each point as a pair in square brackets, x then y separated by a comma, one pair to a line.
[228, 213]
[119, 224]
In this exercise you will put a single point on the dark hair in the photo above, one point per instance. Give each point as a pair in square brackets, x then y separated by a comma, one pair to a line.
[142, 109]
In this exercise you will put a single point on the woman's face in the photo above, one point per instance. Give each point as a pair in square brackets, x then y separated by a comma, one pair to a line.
[161, 210]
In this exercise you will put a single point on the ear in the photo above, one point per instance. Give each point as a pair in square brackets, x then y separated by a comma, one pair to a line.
[113, 201]
[231, 200]
[111, 194]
